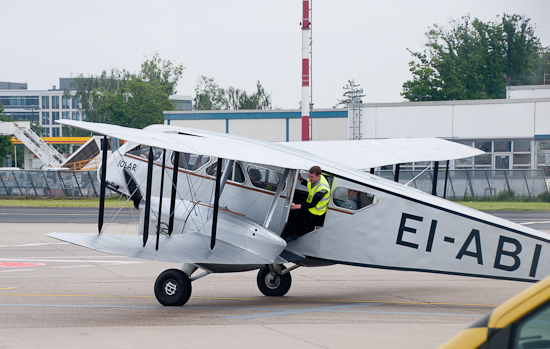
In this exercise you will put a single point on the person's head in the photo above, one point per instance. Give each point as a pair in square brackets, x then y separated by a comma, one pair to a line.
[352, 193]
[314, 174]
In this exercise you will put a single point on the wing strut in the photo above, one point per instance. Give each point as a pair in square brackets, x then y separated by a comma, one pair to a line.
[434, 179]
[216, 202]
[148, 197]
[282, 182]
[160, 196]
[174, 191]
[103, 182]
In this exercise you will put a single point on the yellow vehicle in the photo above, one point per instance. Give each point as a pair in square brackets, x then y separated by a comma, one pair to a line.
[522, 322]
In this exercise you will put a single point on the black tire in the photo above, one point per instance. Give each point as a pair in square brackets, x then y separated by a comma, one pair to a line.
[272, 284]
[173, 288]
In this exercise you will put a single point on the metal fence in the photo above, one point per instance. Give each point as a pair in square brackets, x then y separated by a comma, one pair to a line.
[480, 183]
[460, 183]
[49, 183]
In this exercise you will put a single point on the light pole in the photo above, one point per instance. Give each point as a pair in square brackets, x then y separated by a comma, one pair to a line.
[420, 97]
[32, 109]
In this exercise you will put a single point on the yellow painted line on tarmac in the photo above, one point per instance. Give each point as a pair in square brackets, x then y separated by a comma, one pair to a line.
[254, 299]
[8, 288]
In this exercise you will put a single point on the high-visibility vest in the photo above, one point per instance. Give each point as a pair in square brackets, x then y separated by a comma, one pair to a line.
[322, 205]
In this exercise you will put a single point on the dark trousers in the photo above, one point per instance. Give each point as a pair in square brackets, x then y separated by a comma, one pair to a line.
[301, 222]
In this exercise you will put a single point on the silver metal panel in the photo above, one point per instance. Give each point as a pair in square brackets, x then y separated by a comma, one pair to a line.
[178, 248]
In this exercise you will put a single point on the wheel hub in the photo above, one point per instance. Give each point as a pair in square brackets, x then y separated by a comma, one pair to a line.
[272, 280]
[170, 287]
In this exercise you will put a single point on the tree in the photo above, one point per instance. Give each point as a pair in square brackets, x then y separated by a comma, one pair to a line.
[126, 99]
[138, 104]
[5, 141]
[473, 60]
[209, 96]
[164, 72]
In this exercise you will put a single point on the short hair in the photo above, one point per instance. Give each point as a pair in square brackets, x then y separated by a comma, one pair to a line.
[316, 170]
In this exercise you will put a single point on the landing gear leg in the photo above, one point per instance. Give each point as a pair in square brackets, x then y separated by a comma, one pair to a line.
[173, 288]
[272, 283]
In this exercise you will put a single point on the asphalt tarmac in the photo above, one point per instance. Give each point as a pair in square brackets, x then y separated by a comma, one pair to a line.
[56, 295]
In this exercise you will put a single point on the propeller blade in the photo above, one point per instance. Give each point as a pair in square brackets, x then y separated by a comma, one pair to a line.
[102, 187]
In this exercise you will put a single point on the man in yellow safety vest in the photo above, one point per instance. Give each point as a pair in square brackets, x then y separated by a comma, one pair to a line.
[311, 213]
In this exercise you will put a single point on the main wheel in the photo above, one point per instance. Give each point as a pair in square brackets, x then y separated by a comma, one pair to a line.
[273, 284]
[173, 288]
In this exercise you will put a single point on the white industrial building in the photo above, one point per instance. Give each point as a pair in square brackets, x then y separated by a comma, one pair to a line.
[514, 132]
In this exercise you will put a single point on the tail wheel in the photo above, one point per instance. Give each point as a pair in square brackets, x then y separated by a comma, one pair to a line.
[273, 284]
[173, 288]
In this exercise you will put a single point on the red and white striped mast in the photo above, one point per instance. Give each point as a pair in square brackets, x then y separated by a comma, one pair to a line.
[305, 71]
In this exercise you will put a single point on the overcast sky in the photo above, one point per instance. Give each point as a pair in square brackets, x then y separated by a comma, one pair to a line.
[237, 42]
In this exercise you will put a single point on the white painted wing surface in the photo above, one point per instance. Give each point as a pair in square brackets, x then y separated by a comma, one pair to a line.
[213, 144]
[178, 248]
[364, 154]
[298, 155]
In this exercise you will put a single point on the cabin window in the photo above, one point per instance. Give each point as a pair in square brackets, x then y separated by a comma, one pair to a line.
[191, 162]
[235, 174]
[264, 178]
[352, 199]
[142, 151]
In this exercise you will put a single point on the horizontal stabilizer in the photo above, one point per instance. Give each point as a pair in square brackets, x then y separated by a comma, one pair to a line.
[178, 248]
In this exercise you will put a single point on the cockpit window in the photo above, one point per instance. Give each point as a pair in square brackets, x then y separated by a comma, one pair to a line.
[191, 162]
[264, 178]
[235, 174]
[142, 151]
[353, 200]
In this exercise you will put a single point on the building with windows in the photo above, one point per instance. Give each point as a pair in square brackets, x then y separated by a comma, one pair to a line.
[513, 132]
[40, 106]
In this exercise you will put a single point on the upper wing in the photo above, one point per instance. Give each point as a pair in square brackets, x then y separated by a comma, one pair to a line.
[297, 155]
[380, 152]
[205, 143]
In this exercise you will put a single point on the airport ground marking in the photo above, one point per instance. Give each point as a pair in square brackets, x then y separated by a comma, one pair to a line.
[8, 288]
[341, 308]
[271, 311]
[259, 298]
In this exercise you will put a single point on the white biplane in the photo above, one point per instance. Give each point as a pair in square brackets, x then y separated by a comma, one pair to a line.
[220, 203]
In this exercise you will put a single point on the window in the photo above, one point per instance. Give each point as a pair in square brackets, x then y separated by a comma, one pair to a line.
[352, 199]
[142, 151]
[522, 146]
[503, 146]
[75, 103]
[65, 115]
[532, 331]
[83, 116]
[45, 102]
[65, 101]
[235, 173]
[55, 115]
[485, 146]
[522, 159]
[45, 118]
[191, 162]
[484, 159]
[55, 131]
[46, 132]
[464, 162]
[264, 178]
[75, 115]
[55, 102]
[19, 101]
